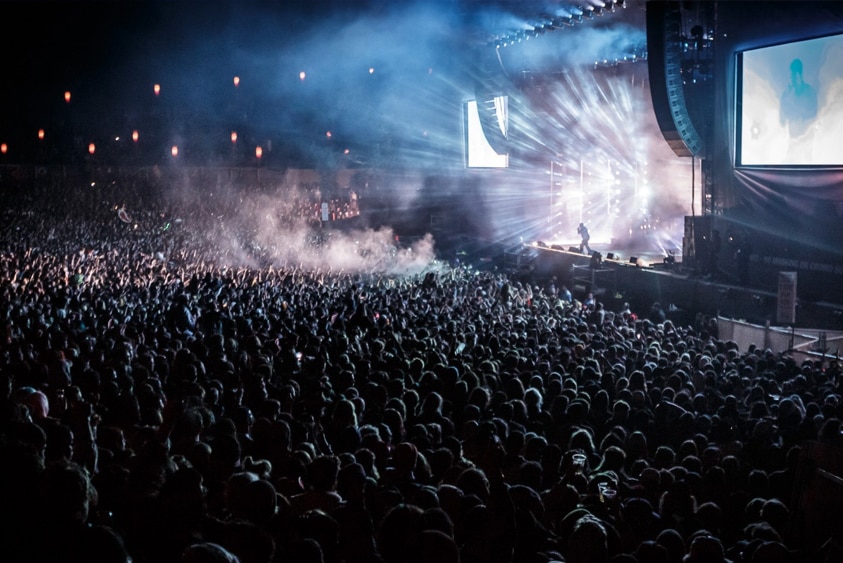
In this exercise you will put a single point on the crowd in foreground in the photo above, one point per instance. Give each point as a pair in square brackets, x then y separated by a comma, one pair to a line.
[161, 403]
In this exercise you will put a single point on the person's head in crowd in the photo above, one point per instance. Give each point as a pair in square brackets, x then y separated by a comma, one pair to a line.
[758, 483]
[772, 552]
[35, 401]
[582, 439]
[530, 474]
[104, 544]
[613, 459]
[235, 495]
[260, 502]
[664, 457]
[208, 552]
[225, 455]
[534, 400]
[473, 481]
[650, 551]
[711, 517]
[59, 442]
[831, 431]
[535, 447]
[636, 446]
[369, 461]
[320, 526]
[394, 421]
[322, 473]
[776, 513]
[761, 531]
[673, 542]
[588, 542]
[677, 501]
[399, 532]
[687, 448]
[705, 548]
[437, 546]
[68, 493]
[404, 459]
[711, 456]
[436, 518]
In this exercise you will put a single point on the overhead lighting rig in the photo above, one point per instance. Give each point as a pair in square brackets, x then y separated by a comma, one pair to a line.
[548, 23]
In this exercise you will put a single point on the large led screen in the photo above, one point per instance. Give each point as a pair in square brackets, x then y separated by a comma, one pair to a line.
[790, 104]
[478, 152]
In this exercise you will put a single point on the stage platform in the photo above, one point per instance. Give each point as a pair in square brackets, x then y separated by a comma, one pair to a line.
[643, 279]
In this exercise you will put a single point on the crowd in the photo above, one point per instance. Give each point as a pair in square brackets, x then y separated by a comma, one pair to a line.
[164, 402]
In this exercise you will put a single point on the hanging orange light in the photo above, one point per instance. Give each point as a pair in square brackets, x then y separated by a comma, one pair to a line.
[234, 136]
[67, 96]
[258, 151]
[92, 148]
[135, 135]
[175, 150]
[4, 148]
[41, 134]
[156, 89]
[236, 81]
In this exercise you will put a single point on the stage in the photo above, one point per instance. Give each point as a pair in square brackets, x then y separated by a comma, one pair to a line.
[643, 279]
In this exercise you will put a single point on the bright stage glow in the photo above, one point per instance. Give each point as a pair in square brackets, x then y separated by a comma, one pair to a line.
[587, 148]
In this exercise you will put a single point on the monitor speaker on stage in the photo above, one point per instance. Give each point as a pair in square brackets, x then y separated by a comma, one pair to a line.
[610, 256]
[633, 260]
[573, 249]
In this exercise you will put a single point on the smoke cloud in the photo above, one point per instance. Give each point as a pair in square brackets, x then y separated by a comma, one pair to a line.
[282, 228]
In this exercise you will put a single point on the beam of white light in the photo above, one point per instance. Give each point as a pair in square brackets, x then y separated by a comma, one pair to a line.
[599, 129]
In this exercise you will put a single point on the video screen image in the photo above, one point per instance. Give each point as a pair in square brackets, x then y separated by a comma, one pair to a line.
[791, 104]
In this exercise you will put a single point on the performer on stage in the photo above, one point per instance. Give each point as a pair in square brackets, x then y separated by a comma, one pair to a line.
[582, 230]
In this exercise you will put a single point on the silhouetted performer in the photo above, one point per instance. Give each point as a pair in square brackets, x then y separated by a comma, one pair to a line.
[799, 102]
[582, 230]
